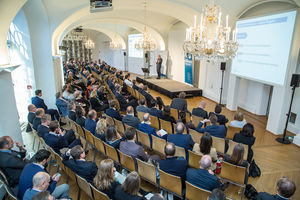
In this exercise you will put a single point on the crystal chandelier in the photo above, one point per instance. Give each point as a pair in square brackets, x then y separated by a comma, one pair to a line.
[211, 40]
[89, 44]
[115, 44]
[75, 36]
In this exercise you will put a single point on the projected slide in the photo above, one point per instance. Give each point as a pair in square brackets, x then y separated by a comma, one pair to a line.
[264, 47]
[133, 52]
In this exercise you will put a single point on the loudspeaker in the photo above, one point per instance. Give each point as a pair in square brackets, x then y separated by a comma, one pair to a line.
[295, 80]
[124, 53]
[223, 65]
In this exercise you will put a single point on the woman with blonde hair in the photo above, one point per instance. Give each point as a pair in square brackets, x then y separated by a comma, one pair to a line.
[96, 103]
[105, 178]
[101, 126]
[238, 121]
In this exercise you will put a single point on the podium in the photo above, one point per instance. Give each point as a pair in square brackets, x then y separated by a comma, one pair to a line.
[146, 72]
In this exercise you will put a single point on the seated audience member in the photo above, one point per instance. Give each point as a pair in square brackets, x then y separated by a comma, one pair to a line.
[172, 164]
[157, 196]
[39, 103]
[142, 107]
[41, 159]
[237, 158]
[127, 80]
[37, 120]
[43, 128]
[112, 111]
[285, 190]
[205, 148]
[91, 122]
[105, 178]
[101, 94]
[11, 162]
[130, 119]
[112, 137]
[134, 86]
[62, 104]
[179, 139]
[179, 103]
[123, 101]
[238, 121]
[44, 195]
[146, 94]
[203, 177]
[166, 115]
[214, 129]
[246, 137]
[200, 112]
[30, 116]
[153, 110]
[130, 148]
[72, 111]
[217, 194]
[78, 164]
[68, 94]
[101, 126]
[129, 190]
[95, 102]
[222, 120]
[80, 116]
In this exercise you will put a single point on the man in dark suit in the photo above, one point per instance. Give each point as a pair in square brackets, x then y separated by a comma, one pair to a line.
[214, 129]
[179, 139]
[39, 103]
[91, 122]
[200, 112]
[11, 162]
[147, 95]
[37, 120]
[30, 116]
[112, 111]
[221, 118]
[158, 66]
[172, 164]
[203, 177]
[41, 182]
[130, 119]
[72, 112]
[86, 169]
[180, 103]
[285, 190]
[142, 107]
[153, 110]
[62, 104]
[43, 128]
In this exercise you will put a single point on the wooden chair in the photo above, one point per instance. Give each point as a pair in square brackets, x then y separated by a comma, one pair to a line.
[166, 125]
[174, 113]
[111, 152]
[231, 131]
[109, 120]
[196, 120]
[84, 186]
[196, 136]
[73, 125]
[98, 194]
[8, 189]
[127, 126]
[120, 127]
[158, 144]
[147, 171]
[219, 144]
[59, 162]
[99, 147]
[233, 173]
[194, 159]
[154, 122]
[35, 137]
[70, 174]
[195, 193]
[231, 145]
[126, 161]
[188, 117]
[140, 115]
[143, 138]
[180, 152]
[80, 131]
[170, 183]
[89, 137]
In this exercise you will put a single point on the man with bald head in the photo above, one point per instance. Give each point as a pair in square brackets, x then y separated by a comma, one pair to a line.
[130, 119]
[203, 177]
[91, 121]
[200, 112]
[41, 182]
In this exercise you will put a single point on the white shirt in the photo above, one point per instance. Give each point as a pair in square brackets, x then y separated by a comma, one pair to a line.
[238, 124]
[128, 82]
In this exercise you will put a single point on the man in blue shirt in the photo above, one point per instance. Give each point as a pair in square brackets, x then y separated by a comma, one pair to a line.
[91, 122]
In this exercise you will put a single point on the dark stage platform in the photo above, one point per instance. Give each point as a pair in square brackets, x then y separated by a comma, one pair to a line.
[169, 87]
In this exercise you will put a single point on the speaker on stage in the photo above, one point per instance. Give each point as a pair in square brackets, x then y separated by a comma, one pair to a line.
[146, 55]
[124, 53]
[295, 80]
[223, 65]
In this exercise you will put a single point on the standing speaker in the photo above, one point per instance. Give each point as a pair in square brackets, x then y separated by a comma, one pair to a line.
[146, 55]
[223, 65]
[295, 80]
[124, 53]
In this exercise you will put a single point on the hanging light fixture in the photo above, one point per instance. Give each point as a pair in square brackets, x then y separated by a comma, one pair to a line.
[146, 42]
[211, 40]
[115, 44]
[89, 44]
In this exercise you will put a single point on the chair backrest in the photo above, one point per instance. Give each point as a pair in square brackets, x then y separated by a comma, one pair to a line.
[143, 138]
[126, 161]
[195, 193]
[127, 126]
[3, 176]
[99, 145]
[231, 131]
[59, 162]
[170, 182]
[111, 152]
[146, 171]
[194, 159]
[180, 152]
[233, 173]
[98, 194]
[231, 145]
[70, 173]
[188, 117]
[158, 144]
[73, 125]
[80, 131]
[174, 113]
[140, 115]
[84, 186]
[109, 120]
[166, 125]
[89, 137]
[196, 136]
[219, 144]
[8, 189]
[154, 122]
[196, 120]
[120, 127]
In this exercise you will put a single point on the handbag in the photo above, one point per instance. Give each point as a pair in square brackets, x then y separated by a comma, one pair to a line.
[254, 170]
[250, 192]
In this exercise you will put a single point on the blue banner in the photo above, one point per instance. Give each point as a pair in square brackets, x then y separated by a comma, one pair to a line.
[188, 63]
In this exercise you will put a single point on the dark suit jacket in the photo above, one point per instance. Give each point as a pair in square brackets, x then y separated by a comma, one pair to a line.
[55, 142]
[113, 113]
[30, 117]
[168, 118]
[85, 169]
[155, 112]
[221, 118]
[266, 196]
[200, 112]
[134, 150]
[80, 121]
[215, 130]
[147, 96]
[179, 104]
[202, 178]
[39, 102]
[12, 166]
[62, 106]
[122, 101]
[240, 138]
[121, 195]
[90, 125]
[141, 108]
[42, 130]
[95, 104]
[174, 166]
[131, 121]
[181, 140]
[72, 115]
[36, 122]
